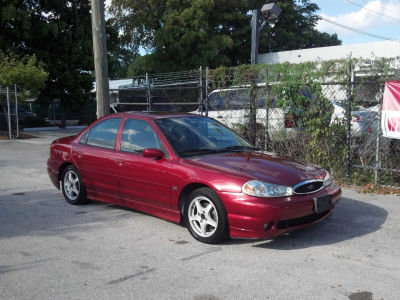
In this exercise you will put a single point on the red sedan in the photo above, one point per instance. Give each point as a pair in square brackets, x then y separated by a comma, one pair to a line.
[192, 168]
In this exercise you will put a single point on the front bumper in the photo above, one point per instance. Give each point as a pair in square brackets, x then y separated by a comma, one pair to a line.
[262, 218]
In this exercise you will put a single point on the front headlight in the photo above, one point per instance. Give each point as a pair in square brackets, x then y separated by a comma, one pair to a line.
[327, 179]
[263, 189]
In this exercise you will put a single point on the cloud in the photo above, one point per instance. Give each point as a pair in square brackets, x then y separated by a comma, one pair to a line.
[107, 5]
[363, 18]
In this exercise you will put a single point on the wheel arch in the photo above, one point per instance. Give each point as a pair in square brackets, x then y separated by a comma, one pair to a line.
[186, 192]
[62, 168]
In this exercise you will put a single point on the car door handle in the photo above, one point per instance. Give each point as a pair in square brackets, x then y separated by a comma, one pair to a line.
[77, 155]
[219, 117]
[120, 162]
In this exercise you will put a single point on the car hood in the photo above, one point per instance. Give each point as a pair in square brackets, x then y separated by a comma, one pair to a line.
[261, 165]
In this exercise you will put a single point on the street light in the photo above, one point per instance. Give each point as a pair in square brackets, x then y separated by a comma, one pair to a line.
[269, 11]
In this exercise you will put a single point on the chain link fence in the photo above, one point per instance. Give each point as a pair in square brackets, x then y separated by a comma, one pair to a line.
[335, 124]
[178, 91]
[10, 112]
[333, 121]
[373, 156]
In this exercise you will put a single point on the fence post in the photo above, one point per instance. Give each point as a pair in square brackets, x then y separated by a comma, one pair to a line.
[253, 109]
[201, 91]
[16, 110]
[348, 135]
[378, 141]
[9, 113]
[266, 133]
[148, 95]
[206, 91]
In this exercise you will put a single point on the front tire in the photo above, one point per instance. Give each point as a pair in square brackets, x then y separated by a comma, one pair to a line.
[73, 188]
[205, 216]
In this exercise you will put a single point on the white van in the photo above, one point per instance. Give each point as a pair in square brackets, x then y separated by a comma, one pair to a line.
[231, 106]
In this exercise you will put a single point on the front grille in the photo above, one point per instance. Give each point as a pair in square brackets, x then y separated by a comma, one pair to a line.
[299, 221]
[308, 187]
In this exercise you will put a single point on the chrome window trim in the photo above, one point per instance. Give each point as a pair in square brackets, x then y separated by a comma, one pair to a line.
[307, 182]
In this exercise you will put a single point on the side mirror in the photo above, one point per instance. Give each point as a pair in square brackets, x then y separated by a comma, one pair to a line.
[153, 153]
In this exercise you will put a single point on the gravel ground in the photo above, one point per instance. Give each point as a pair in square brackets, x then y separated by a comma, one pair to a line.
[52, 250]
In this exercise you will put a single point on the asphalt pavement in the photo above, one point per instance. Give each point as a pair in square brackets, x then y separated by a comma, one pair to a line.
[52, 250]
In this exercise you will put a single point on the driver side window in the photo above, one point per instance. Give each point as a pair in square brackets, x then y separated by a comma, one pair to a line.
[138, 135]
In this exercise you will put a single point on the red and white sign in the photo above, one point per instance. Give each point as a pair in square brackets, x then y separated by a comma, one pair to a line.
[390, 120]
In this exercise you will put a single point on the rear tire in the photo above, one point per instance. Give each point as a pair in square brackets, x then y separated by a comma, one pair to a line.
[205, 216]
[72, 185]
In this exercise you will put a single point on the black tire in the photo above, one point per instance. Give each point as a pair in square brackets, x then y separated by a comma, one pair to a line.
[216, 214]
[73, 189]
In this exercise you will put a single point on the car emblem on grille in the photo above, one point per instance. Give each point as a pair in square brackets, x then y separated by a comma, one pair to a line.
[308, 187]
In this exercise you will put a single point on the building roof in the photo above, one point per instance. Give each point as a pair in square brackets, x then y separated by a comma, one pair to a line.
[366, 50]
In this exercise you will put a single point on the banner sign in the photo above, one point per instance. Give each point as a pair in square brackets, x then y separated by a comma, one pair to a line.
[390, 120]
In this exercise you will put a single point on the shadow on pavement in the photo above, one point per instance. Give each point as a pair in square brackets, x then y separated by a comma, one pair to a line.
[350, 219]
[22, 266]
[45, 212]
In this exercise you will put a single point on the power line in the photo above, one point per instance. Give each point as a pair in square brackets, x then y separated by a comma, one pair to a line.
[374, 4]
[357, 30]
[374, 11]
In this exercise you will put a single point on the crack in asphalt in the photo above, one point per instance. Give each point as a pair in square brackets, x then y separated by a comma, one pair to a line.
[201, 253]
[119, 280]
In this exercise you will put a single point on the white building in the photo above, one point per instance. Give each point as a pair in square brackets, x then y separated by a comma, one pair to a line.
[386, 49]
[367, 50]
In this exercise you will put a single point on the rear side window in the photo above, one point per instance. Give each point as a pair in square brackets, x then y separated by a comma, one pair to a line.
[104, 133]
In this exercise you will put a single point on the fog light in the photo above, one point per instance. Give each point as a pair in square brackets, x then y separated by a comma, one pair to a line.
[267, 226]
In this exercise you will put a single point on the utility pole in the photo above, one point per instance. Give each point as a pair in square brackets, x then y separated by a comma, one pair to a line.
[255, 25]
[255, 29]
[268, 11]
[100, 58]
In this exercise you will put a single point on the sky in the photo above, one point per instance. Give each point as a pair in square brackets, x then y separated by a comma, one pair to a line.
[378, 17]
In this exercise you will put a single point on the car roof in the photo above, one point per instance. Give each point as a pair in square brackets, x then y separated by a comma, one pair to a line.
[155, 114]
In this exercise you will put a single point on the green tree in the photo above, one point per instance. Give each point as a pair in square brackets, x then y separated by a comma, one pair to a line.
[26, 72]
[119, 56]
[182, 34]
[59, 34]
[142, 65]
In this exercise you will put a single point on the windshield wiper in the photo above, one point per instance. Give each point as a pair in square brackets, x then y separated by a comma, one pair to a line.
[237, 148]
[198, 151]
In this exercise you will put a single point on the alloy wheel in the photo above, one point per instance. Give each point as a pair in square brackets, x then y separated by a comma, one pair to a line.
[203, 216]
[71, 185]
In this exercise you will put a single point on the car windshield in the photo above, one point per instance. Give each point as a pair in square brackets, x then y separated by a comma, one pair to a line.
[191, 136]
